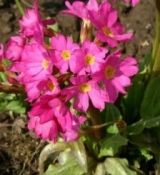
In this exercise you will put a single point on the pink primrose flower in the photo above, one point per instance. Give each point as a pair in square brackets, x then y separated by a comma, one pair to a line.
[50, 118]
[106, 22]
[81, 9]
[46, 131]
[116, 74]
[70, 125]
[32, 90]
[32, 25]
[35, 63]
[90, 57]
[84, 90]
[14, 48]
[64, 53]
[36, 88]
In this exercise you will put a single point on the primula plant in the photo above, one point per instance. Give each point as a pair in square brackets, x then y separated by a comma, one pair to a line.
[95, 106]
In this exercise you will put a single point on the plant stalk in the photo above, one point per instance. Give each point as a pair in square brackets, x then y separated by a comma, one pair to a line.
[20, 8]
[85, 31]
[155, 62]
[94, 115]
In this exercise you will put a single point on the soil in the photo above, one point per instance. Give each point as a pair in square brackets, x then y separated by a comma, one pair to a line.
[19, 149]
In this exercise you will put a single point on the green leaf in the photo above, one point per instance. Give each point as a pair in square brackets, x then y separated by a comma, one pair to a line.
[3, 77]
[111, 113]
[11, 102]
[150, 107]
[131, 103]
[135, 128]
[153, 122]
[110, 146]
[145, 62]
[113, 129]
[16, 106]
[54, 27]
[114, 166]
[139, 126]
[91, 145]
[70, 166]
[146, 154]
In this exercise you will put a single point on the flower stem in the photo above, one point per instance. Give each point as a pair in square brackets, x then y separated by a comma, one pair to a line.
[95, 119]
[155, 62]
[19, 6]
[86, 31]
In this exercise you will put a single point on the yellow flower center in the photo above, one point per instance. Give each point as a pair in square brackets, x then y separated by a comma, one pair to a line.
[90, 59]
[85, 87]
[45, 64]
[50, 85]
[66, 55]
[107, 31]
[109, 72]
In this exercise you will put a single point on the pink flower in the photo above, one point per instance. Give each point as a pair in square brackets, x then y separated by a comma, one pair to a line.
[32, 25]
[106, 22]
[116, 74]
[35, 89]
[90, 57]
[70, 125]
[14, 48]
[81, 9]
[64, 53]
[1, 51]
[49, 86]
[42, 119]
[50, 118]
[35, 63]
[32, 90]
[84, 90]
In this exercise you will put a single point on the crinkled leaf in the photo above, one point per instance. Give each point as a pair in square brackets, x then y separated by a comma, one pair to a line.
[110, 146]
[70, 159]
[70, 166]
[114, 166]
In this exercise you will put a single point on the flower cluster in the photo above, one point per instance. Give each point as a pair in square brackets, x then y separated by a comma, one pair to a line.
[64, 79]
